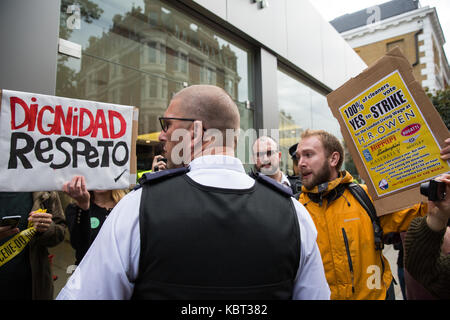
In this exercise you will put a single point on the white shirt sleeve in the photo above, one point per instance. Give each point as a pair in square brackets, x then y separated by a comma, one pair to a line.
[110, 267]
[310, 283]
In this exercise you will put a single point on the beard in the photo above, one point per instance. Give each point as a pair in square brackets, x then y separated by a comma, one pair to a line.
[268, 171]
[323, 175]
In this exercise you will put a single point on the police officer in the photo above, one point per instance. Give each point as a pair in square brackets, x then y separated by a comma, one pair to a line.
[295, 180]
[202, 229]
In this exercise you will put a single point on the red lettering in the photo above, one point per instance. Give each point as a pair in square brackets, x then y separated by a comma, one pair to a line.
[100, 123]
[81, 132]
[123, 125]
[13, 101]
[75, 124]
[51, 120]
[32, 117]
[40, 122]
[66, 121]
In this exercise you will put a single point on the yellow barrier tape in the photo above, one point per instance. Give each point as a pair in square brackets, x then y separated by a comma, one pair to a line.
[14, 246]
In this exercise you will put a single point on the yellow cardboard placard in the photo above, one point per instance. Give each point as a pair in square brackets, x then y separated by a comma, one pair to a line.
[396, 144]
[392, 130]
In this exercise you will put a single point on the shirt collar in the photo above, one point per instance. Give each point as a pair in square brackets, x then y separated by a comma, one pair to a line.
[284, 180]
[217, 162]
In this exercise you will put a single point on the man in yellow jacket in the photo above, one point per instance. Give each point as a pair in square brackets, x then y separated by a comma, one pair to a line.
[353, 267]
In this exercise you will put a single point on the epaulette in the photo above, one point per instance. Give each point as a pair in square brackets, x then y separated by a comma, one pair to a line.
[150, 177]
[275, 185]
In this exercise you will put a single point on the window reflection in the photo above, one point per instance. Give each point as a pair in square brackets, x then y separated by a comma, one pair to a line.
[301, 108]
[140, 53]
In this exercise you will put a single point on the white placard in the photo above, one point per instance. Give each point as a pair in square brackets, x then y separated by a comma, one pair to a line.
[46, 140]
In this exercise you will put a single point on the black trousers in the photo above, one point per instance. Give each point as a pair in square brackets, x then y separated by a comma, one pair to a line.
[390, 294]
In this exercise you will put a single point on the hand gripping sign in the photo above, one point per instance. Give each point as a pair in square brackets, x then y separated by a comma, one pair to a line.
[46, 140]
[392, 130]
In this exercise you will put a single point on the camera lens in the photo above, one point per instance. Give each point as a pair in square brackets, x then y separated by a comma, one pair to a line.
[434, 190]
[424, 188]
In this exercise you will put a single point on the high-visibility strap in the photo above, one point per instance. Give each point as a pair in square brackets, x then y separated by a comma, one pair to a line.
[14, 246]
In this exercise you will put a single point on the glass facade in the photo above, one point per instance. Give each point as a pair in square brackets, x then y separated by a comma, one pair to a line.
[300, 108]
[140, 53]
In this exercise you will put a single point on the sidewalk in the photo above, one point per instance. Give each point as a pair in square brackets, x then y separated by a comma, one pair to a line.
[64, 256]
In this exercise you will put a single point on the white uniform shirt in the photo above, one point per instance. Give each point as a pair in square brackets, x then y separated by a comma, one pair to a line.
[285, 180]
[110, 267]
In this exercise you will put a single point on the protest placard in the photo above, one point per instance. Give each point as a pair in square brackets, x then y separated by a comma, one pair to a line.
[46, 140]
[392, 130]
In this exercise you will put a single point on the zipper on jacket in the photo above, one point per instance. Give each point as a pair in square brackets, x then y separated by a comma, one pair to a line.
[350, 264]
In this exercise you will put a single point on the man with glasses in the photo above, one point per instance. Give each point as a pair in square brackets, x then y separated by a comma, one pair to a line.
[267, 160]
[202, 229]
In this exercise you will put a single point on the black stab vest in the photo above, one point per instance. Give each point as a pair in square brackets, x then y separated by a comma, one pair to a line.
[201, 242]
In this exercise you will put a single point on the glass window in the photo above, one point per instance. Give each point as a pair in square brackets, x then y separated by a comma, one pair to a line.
[181, 62]
[152, 52]
[153, 18]
[153, 87]
[142, 52]
[301, 108]
[399, 43]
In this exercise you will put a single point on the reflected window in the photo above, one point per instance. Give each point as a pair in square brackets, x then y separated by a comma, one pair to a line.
[142, 52]
[153, 18]
[300, 108]
[208, 76]
[152, 52]
[182, 62]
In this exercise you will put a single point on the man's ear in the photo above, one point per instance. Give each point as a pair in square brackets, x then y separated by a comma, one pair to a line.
[334, 159]
[197, 140]
[198, 131]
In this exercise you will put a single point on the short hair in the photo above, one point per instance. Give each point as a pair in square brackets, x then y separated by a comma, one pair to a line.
[265, 138]
[330, 143]
[210, 104]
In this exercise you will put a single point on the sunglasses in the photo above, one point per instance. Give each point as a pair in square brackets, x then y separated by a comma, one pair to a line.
[267, 153]
[165, 123]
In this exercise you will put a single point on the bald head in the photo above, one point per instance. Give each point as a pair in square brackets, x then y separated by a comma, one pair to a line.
[210, 104]
[267, 157]
[265, 140]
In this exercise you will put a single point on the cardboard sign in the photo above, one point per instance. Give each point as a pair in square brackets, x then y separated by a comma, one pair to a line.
[393, 131]
[46, 140]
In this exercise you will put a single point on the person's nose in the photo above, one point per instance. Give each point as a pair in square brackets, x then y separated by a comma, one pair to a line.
[162, 136]
[301, 163]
